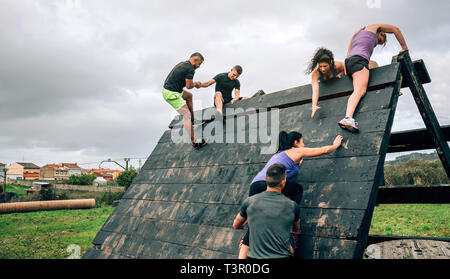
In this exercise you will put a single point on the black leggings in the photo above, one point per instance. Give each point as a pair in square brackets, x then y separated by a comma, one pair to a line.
[292, 190]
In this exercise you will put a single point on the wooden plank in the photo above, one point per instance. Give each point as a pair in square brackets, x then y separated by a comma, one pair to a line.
[418, 194]
[229, 174]
[410, 249]
[233, 194]
[422, 73]
[381, 76]
[336, 195]
[374, 239]
[413, 140]
[352, 169]
[195, 213]
[318, 195]
[426, 110]
[330, 223]
[366, 144]
[325, 248]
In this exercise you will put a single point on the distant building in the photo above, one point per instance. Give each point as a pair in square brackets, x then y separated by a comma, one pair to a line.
[54, 172]
[104, 173]
[74, 169]
[23, 171]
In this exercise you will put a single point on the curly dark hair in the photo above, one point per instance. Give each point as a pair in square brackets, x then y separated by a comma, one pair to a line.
[322, 55]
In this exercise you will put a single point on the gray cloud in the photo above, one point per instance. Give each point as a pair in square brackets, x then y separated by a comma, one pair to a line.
[83, 84]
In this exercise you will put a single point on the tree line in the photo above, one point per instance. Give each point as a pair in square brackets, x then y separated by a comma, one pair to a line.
[415, 169]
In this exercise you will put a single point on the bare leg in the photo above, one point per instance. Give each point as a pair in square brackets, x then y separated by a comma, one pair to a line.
[187, 121]
[218, 99]
[360, 82]
[189, 102]
[243, 250]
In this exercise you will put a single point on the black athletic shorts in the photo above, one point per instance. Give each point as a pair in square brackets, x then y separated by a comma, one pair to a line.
[240, 99]
[355, 64]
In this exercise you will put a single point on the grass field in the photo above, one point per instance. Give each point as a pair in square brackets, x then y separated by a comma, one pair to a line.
[48, 234]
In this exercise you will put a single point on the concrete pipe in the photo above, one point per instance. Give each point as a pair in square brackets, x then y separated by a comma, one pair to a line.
[46, 205]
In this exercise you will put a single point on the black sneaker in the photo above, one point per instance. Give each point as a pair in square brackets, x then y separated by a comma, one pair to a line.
[198, 144]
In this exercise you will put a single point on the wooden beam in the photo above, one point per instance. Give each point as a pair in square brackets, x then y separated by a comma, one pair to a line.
[426, 111]
[374, 239]
[413, 140]
[422, 73]
[420, 194]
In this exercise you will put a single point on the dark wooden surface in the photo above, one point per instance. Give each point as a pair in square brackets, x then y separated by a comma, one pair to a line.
[183, 202]
[419, 139]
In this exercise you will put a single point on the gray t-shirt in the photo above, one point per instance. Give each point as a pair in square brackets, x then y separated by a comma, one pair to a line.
[270, 218]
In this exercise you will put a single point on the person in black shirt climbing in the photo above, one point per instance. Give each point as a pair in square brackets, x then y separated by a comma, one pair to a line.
[182, 101]
[225, 84]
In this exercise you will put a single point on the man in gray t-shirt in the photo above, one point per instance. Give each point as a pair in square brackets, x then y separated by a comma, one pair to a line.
[271, 217]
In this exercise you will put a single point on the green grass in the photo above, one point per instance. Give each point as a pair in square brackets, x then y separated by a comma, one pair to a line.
[17, 189]
[48, 234]
[425, 220]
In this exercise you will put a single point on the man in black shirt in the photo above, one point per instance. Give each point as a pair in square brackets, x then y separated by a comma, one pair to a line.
[182, 101]
[225, 83]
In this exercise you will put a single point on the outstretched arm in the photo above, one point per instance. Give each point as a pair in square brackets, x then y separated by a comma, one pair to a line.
[237, 93]
[208, 83]
[390, 29]
[315, 91]
[314, 152]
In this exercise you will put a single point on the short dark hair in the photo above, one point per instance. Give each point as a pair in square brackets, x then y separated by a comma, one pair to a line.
[275, 174]
[238, 69]
[198, 54]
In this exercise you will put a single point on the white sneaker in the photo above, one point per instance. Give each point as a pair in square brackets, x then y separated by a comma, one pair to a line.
[349, 124]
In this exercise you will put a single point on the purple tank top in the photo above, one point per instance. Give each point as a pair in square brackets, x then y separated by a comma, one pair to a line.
[363, 44]
[279, 158]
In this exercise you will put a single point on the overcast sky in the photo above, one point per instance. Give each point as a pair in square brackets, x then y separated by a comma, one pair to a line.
[80, 80]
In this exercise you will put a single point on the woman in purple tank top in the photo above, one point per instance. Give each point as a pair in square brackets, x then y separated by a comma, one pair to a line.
[291, 151]
[357, 64]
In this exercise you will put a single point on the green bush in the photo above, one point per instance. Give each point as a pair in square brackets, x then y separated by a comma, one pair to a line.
[415, 172]
[108, 198]
[126, 178]
[82, 179]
